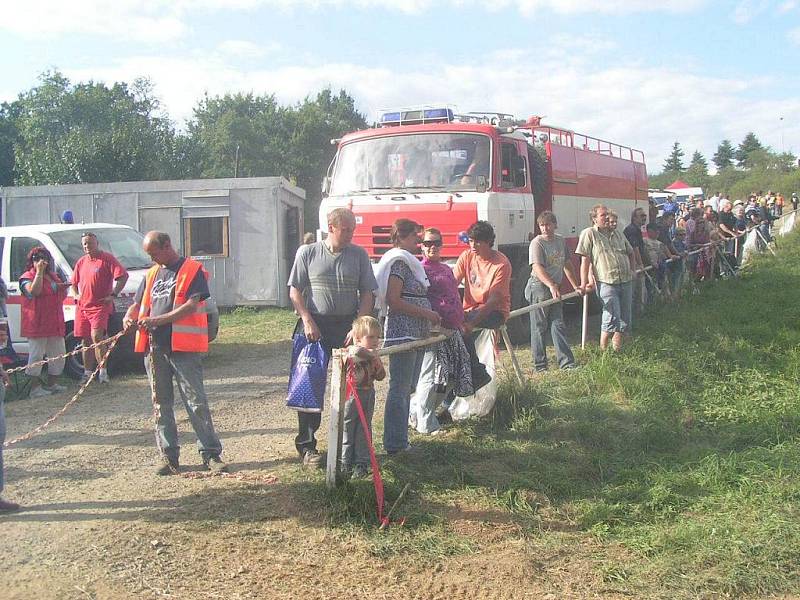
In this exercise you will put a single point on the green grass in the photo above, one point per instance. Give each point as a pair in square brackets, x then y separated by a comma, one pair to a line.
[676, 462]
[682, 451]
[256, 325]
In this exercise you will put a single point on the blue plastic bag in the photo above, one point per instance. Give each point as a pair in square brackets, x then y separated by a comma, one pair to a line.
[309, 374]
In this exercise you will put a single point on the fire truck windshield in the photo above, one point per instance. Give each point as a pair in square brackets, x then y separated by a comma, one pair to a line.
[411, 162]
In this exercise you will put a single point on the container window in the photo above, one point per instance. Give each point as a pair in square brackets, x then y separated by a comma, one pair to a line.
[206, 236]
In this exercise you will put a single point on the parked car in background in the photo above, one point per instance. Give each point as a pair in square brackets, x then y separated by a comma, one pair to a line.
[64, 244]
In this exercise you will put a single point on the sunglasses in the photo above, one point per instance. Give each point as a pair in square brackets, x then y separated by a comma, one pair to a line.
[432, 243]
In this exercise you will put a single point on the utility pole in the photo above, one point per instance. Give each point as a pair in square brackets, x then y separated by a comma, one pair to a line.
[236, 162]
[782, 148]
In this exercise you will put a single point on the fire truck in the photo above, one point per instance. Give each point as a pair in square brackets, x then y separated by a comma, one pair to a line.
[448, 170]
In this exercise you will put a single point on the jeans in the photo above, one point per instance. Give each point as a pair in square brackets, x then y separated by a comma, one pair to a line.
[333, 331]
[186, 369]
[616, 300]
[2, 433]
[355, 450]
[425, 397]
[553, 316]
[404, 371]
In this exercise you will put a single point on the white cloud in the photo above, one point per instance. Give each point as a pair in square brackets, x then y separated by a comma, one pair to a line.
[245, 49]
[794, 36]
[161, 21]
[153, 21]
[787, 6]
[632, 105]
[747, 10]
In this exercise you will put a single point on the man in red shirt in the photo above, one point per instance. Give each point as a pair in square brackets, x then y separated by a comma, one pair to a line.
[97, 279]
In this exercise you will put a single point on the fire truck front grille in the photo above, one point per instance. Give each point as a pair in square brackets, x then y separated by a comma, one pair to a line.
[381, 239]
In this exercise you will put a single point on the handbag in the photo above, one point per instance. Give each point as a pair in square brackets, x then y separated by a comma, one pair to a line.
[309, 374]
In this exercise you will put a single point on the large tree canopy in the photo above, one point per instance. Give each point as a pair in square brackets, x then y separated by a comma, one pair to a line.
[89, 132]
[270, 139]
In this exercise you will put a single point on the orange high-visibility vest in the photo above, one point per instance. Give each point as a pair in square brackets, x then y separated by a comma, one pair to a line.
[190, 333]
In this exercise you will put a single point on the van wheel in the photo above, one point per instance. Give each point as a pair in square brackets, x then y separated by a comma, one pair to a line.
[74, 364]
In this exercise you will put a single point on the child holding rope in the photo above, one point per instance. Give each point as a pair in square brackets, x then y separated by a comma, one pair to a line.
[367, 369]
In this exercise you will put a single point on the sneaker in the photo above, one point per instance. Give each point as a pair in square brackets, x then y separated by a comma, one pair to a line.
[7, 507]
[56, 388]
[85, 377]
[103, 377]
[39, 392]
[170, 467]
[214, 464]
[312, 459]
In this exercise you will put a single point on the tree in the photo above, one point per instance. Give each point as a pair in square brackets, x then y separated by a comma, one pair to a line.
[674, 161]
[749, 145]
[252, 128]
[317, 121]
[89, 132]
[8, 137]
[697, 173]
[271, 139]
[724, 156]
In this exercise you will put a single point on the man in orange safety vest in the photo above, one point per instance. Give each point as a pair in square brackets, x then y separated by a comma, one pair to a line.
[173, 327]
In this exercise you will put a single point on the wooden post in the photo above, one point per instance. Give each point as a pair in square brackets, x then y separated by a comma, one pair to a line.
[336, 417]
[510, 348]
[585, 320]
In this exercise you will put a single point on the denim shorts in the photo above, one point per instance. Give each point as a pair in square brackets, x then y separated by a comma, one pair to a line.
[616, 299]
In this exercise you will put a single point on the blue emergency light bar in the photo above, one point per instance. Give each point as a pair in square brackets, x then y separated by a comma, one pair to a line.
[416, 116]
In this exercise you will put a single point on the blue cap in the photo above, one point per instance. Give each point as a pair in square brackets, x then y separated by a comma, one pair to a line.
[66, 217]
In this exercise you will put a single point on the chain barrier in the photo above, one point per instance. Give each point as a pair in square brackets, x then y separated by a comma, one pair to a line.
[111, 340]
[101, 365]
[246, 477]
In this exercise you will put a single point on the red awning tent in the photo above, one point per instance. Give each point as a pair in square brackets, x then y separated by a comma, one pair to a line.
[677, 185]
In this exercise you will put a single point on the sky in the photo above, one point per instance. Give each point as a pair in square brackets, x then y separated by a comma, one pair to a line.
[641, 73]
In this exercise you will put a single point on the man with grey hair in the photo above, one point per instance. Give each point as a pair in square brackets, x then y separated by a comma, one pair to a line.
[331, 283]
[169, 309]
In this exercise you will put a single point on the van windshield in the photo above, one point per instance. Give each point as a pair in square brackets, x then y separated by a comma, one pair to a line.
[125, 244]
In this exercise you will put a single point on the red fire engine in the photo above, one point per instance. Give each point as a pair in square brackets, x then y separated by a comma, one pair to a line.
[447, 171]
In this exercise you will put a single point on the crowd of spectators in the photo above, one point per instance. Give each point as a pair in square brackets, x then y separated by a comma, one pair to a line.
[332, 284]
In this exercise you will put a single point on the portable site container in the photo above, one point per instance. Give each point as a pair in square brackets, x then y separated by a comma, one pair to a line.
[245, 231]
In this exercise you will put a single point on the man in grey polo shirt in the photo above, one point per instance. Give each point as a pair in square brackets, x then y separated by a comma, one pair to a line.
[331, 284]
[550, 260]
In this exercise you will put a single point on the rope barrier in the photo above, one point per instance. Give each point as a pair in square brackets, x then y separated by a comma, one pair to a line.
[75, 397]
[111, 340]
[264, 479]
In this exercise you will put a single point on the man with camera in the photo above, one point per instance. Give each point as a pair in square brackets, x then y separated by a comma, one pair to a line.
[97, 279]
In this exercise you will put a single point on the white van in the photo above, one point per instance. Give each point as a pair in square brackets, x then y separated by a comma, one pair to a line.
[64, 244]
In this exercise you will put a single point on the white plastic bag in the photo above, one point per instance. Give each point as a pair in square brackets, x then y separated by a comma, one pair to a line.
[481, 402]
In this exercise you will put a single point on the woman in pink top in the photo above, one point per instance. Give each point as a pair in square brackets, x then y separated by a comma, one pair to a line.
[448, 362]
[43, 294]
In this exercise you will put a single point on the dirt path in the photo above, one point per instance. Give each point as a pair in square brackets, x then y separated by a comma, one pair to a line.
[98, 523]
